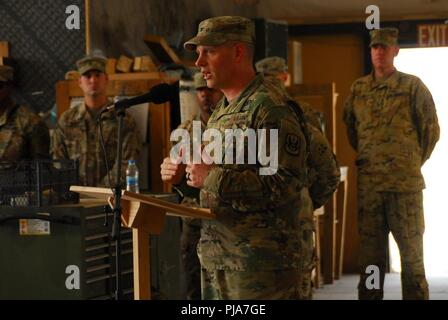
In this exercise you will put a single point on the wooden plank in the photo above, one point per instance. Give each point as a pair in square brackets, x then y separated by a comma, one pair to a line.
[137, 64]
[137, 76]
[172, 209]
[161, 49]
[72, 75]
[4, 49]
[124, 64]
[88, 31]
[144, 64]
[111, 66]
[159, 138]
[341, 218]
[148, 65]
[142, 264]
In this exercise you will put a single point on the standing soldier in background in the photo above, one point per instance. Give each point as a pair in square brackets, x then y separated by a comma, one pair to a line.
[275, 70]
[191, 228]
[23, 134]
[77, 134]
[392, 124]
[323, 170]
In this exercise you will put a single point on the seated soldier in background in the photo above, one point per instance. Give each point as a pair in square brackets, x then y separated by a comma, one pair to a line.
[323, 170]
[191, 228]
[77, 134]
[23, 134]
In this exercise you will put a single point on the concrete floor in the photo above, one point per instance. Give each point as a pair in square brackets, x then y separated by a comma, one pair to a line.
[345, 288]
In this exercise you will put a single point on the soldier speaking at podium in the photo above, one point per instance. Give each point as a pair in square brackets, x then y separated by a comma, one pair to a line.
[251, 250]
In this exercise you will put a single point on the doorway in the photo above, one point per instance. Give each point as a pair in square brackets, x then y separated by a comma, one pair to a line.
[431, 66]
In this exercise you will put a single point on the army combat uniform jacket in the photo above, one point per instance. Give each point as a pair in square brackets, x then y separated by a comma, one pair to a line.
[393, 126]
[77, 138]
[23, 135]
[257, 221]
[323, 170]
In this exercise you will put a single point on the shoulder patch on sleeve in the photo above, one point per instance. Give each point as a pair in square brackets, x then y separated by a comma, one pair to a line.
[292, 144]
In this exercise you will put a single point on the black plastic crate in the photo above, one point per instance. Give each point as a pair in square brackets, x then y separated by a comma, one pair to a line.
[38, 183]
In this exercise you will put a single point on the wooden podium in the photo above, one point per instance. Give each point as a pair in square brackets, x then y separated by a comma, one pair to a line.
[145, 215]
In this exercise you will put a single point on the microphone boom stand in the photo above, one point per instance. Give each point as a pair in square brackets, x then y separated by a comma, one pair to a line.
[116, 227]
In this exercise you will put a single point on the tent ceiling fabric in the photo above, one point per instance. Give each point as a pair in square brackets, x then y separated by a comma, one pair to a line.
[309, 10]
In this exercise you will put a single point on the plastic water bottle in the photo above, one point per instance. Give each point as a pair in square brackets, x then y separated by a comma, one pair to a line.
[132, 177]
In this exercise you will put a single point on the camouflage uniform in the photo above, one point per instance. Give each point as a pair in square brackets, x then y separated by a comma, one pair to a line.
[324, 177]
[273, 66]
[256, 230]
[77, 137]
[393, 126]
[313, 116]
[191, 228]
[323, 174]
[23, 135]
[257, 227]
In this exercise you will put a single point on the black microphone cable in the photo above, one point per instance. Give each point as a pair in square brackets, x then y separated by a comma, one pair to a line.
[106, 216]
[103, 147]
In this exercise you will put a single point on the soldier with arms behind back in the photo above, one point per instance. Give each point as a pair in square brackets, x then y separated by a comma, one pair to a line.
[392, 124]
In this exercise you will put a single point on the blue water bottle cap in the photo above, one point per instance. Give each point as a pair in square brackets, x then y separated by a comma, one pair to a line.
[131, 161]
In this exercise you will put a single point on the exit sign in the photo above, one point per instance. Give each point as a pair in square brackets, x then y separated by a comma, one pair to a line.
[433, 35]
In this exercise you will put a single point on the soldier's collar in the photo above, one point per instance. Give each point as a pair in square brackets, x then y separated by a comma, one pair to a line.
[248, 91]
[391, 81]
[83, 111]
[238, 103]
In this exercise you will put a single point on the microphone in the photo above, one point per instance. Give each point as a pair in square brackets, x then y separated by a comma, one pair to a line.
[158, 94]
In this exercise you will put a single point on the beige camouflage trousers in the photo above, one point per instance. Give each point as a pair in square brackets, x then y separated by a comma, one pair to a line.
[307, 248]
[191, 233]
[308, 260]
[250, 285]
[402, 214]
